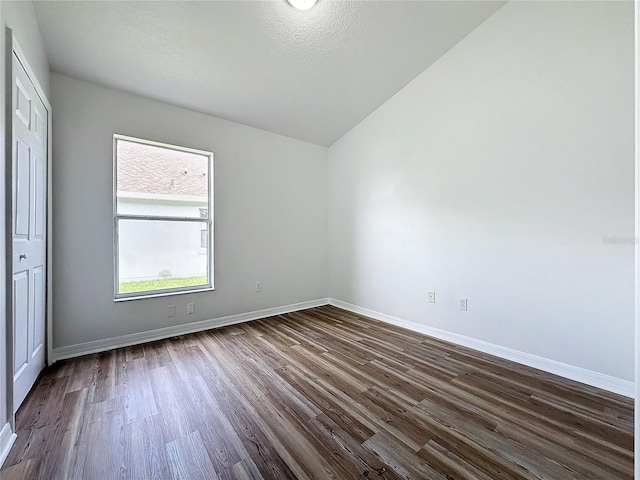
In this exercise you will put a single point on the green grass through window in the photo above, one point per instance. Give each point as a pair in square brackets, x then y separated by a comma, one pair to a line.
[160, 284]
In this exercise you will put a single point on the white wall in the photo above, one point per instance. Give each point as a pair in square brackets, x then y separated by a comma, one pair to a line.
[637, 299]
[270, 213]
[495, 175]
[20, 17]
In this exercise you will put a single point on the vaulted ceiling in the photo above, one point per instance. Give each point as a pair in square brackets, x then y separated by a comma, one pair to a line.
[309, 75]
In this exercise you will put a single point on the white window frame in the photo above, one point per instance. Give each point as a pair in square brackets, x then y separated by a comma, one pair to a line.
[118, 297]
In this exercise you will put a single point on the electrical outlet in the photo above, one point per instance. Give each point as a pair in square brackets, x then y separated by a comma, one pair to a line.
[258, 286]
[191, 308]
[171, 311]
[432, 297]
[463, 304]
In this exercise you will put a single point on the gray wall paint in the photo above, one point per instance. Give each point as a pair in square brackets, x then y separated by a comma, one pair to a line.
[21, 18]
[495, 175]
[270, 213]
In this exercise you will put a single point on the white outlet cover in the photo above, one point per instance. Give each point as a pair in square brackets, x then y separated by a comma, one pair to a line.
[463, 304]
[431, 297]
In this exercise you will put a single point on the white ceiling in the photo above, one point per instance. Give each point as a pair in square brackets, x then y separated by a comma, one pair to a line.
[308, 75]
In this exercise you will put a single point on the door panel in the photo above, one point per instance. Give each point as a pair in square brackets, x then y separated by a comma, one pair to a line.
[39, 307]
[29, 190]
[20, 321]
[39, 194]
[22, 187]
[39, 126]
[23, 104]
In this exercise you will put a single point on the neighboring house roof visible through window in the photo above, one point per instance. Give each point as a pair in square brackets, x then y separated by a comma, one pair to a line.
[156, 170]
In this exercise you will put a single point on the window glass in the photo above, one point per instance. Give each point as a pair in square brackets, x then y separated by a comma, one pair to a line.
[163, 224]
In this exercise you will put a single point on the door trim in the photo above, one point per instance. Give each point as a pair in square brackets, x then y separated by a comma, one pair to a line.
[13, 47]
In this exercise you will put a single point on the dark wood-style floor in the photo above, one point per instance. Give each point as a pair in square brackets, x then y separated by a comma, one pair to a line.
[317, 394]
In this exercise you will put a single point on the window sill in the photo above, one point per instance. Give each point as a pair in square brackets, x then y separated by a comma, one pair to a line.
[170, 293]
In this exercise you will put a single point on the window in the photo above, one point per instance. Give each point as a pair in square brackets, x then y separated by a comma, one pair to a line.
[163, 204]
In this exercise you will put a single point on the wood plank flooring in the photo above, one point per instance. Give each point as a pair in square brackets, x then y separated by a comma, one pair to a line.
[317, 394]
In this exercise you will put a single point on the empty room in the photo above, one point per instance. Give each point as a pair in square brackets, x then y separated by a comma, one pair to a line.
[318, 239]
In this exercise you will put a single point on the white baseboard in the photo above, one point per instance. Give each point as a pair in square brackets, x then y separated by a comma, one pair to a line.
[595, 379]
[96, 346]
[7, 437]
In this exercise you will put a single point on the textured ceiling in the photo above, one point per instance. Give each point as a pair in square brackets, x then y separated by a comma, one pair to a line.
[308, 75]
